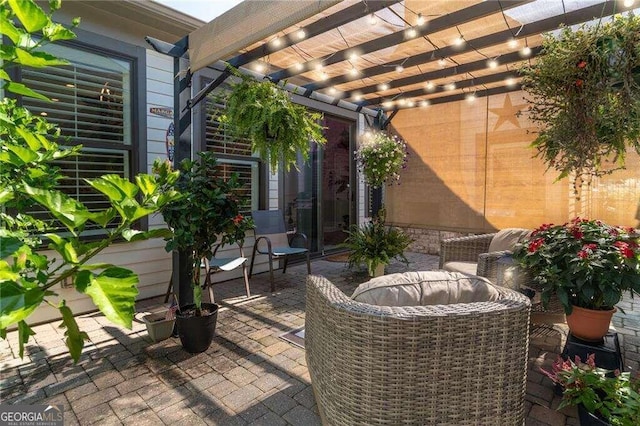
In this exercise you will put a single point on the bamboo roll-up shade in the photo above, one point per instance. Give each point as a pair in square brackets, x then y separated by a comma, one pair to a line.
[245, 24]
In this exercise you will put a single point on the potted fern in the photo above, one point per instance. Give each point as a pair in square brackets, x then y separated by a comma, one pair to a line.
[278, 128]
[375, 245]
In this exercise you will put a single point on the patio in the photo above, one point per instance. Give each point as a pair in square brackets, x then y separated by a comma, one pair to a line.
[249, 375]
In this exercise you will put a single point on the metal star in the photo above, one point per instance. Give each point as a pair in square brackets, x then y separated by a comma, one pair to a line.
[507, 113]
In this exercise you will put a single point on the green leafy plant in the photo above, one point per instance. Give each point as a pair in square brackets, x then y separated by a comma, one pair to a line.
[374, 244]
[277, 128]
[27, 178]
[380, 157]
[610, 395]
[586, 263]
[208, 211]
[585, 97]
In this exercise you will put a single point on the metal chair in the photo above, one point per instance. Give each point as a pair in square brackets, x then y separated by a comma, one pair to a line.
[273, 240]
[223, 264]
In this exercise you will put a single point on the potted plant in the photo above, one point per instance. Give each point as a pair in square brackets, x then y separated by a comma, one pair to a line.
[585, 97]
[208, 211]
[588, 265]
[160, 324]
[375, 245]
[603, 397]
[30, 277]
[380, 157]
[278, 129]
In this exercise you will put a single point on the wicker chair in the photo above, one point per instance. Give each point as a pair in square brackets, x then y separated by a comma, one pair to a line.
[456, 364]
[479, 254]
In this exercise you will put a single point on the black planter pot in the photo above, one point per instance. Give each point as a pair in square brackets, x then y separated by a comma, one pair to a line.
[588, 419]
[196, 333]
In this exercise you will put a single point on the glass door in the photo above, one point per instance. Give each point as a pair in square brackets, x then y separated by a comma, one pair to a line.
[318, 200]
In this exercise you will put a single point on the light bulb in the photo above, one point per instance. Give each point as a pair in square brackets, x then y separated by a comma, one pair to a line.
[420, 20]
[459, 41]
[387, 104]
[259, 68]
[399, 68]
[276, 42]
[353, 57]
[324, 76]
[332, 90]
[492, 63]
[357, 97]
[299, 66]
[318, 66]
[372, 19]
[301, 34]
[442, 62]
[411, 104]
[424, 104]
[353, 72]
[383, 86]
[470, 97]
[450, 86]
[429, 85]
[526, 51]
[411, 33]
[510, 82]
[512, 43]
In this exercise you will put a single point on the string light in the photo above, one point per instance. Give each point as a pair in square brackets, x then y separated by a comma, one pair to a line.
[353, 71]
[420, 20]
[424, 103]
[512, 43]
[411, 104]
[387, 104]
[450, 86]
[372, 19]
[470, 97]
[459, 41]
[324, 76]
[298, 66]
[357, 97]
[301, 34]
[510, 82]
[259, 68]
[442, 62]
[526, 51]
[332, 90]
[318, 66]
[402, 101]
[429, 86]
[628, 3]
[399, 68]
[353, 56]
[492, 63]
[411, 33]
[276, 42]
[383, 86]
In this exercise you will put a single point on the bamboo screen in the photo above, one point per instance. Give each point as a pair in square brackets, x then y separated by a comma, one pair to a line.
[471, 169]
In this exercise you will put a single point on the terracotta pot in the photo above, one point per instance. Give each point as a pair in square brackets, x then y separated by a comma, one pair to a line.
[589, 324]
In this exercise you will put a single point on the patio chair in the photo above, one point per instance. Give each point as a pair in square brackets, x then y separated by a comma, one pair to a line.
[224, 264]
[479, 254]
[273, 240]
[404, 360]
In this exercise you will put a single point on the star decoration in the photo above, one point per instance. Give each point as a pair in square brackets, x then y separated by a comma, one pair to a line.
[507, 113]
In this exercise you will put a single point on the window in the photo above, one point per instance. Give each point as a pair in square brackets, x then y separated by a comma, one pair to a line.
[234, 156]
[92, 103]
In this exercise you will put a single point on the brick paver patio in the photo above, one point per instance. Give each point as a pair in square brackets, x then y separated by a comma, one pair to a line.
[249, 375]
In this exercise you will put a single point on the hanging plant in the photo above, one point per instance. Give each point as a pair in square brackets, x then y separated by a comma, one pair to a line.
[277, 128]
[380, 158]
[585, 97]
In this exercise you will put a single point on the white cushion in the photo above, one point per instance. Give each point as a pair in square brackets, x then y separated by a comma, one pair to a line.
[507, 239]
[470, 268]
[425, 288]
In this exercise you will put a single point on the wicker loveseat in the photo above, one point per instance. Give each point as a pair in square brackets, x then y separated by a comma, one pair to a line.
[446, 364]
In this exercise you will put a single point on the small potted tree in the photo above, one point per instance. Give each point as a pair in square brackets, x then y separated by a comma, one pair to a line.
[207, 212]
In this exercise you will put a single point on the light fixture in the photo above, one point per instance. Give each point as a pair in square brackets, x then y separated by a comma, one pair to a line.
[276, 42]
[318, 66]
[411, 33]
[301, 34]
[383, 86]
[424, 103]
[442, 62]
[354, 72]
[357, 97]
[429, 86]
[510, 82]
[411, 104]
[628, 3]
[259, 68]
[492, 63]
[353, 56]
[450, 86]
[470, 97]
[459, 41]
[372, 19]
[324, 76]
[332, 90]
[526, 51]
[399, 68]
[402, 101]
[420, 20]
[512, 43]
[387, 104]
[299, 66]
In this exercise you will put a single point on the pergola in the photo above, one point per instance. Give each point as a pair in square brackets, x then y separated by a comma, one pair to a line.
[374, 56]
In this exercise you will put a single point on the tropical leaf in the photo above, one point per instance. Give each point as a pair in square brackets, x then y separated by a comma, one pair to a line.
[24, 332]
[17, 302]
[114, 293]
[30, 14]
[75, 338]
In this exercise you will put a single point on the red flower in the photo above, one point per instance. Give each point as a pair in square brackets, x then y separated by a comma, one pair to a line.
[238, 219]
[583, 254]
[535, 245]
[624, 249]
[582, 64]
[579, 83]
[577, 233]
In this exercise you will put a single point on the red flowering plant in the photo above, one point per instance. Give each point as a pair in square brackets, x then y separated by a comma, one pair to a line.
[237, 229]
[586, 263]
[610, 395]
